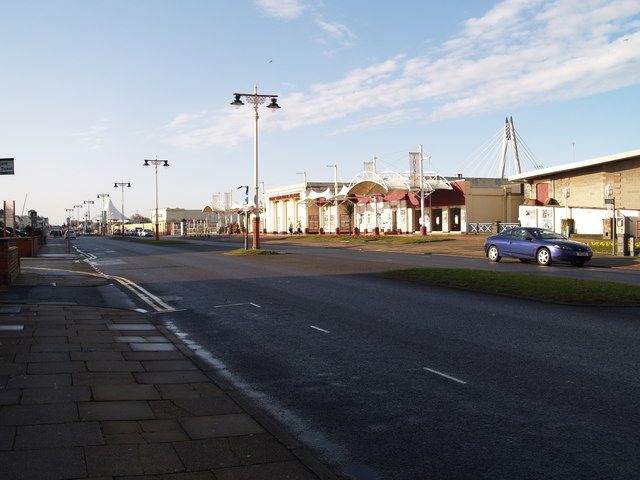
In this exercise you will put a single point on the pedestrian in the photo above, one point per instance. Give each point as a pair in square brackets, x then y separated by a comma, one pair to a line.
[291, 229]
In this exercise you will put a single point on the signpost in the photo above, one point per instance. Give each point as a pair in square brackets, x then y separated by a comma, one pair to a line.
[6, 166]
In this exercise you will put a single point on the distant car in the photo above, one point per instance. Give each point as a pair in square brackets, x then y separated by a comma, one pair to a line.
[145, 233]
[70, 234]
[539, 244]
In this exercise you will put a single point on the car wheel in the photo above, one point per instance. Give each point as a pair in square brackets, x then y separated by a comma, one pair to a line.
[543, 257]
[577, 262]
[493, 254]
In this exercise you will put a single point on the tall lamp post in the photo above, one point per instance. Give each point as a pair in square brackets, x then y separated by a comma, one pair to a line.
[255, 100]
[70, 216]
[78, 207]
[335, 195]
[122, 185]
[245, 209]
[103, 214]
[155, 162]
[88, 203]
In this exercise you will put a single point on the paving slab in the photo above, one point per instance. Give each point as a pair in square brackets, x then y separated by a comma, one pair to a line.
[125, 392]
[190, 376]
[43, 464]
[122, 460]
[76, 434]
[115, 410]
[38, 414]
[213, 426]
[56, 395]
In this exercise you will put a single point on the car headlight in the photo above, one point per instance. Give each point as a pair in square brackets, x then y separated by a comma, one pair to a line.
[563, 247]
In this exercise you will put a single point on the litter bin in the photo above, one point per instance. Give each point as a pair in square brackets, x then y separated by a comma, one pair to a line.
[623, 244]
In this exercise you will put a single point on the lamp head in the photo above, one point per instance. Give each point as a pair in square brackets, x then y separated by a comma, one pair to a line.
[274, 104]
[146, 163]
[166, 163]
[237, 102]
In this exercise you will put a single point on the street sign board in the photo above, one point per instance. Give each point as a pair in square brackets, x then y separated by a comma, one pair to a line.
[6, 166]
[610, 201]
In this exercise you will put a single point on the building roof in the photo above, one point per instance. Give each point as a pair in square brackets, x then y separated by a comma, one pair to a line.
[545, 172]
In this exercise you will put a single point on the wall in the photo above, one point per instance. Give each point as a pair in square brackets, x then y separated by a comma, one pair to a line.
[9, 262]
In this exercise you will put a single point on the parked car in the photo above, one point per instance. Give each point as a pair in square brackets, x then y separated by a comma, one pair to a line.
[145, 233]
[539, 244]
[69, 234]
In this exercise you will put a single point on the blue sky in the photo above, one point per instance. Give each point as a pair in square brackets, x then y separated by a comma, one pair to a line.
[91, 88]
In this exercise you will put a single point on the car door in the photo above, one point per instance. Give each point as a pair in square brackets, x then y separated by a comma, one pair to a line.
[522, 244]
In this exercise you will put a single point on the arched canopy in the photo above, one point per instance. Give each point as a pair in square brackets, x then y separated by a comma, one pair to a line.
[368, 183]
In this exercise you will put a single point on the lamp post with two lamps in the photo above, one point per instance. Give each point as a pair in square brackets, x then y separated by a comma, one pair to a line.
[88, 203]
[78, 207]
[245, 209]
[335, 195]
[255, 100]
[122, 185]
[103, 213]
[155, 162]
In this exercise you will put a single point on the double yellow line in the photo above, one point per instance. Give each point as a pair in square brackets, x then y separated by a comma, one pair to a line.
[147, 297]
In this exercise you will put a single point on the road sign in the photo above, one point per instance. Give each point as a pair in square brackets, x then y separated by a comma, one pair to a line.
[6, 166]
[610, 201]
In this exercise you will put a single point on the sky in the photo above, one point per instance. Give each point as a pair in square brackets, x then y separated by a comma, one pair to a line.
[91, 88]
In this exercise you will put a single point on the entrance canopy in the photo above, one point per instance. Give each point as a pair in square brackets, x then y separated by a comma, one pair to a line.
[369, 183]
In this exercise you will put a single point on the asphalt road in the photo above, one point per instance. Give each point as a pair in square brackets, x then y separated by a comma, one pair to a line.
[388, 380]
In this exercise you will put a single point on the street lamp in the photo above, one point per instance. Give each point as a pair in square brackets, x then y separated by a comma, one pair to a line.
[155, 162]
[103, 214]
[88, 203]
[70, 217]
[256, 100]
[245, 209]
[122, 185]
[335, 195]
[78, 207]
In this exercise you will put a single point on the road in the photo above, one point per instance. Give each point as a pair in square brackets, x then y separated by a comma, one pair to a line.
[389, 380]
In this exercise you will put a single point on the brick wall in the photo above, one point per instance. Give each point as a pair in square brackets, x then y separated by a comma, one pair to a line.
[9, 262]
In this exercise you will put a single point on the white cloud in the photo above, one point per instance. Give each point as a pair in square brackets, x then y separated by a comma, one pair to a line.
[336, 30]
[285, 9]
[521, 52]
[185, 118]
[91, 136]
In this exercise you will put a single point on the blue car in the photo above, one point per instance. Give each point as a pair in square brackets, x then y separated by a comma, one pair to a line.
[539, 244]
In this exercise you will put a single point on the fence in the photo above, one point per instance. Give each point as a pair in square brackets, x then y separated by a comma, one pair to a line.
[488, 227]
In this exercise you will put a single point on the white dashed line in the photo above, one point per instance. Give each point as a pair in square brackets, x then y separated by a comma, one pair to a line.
[445, 376]
[319, 329]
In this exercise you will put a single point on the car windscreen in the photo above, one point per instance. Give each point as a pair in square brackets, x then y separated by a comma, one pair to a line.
[547, 235]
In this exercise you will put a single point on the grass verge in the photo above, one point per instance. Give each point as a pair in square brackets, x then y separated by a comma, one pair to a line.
[400, 239]
[534, 287]
[257, 251]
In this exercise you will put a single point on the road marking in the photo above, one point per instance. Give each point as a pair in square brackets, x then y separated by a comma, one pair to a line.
[319, 329]
[445, 376]
[238, 305]
[150, 299]
[154, 302]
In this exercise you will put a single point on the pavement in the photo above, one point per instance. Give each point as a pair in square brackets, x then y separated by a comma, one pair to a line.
[88, 391]
[92, 392]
